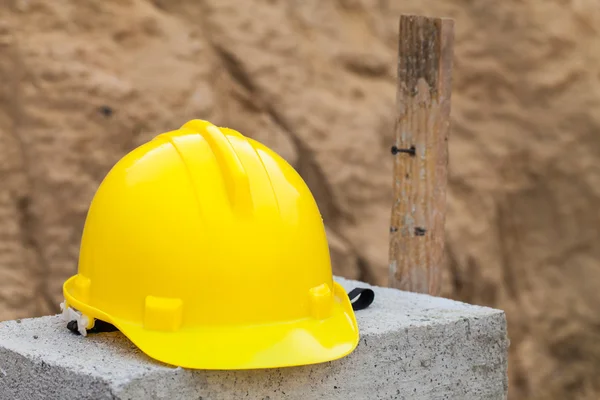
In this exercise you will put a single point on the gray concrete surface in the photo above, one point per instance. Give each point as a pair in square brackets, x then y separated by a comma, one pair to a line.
[412, 347]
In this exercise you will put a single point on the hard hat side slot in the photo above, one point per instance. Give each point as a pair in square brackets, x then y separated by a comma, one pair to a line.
[321, 301]
[163, 314]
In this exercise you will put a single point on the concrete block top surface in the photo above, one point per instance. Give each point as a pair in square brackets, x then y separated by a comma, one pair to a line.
[412, 346]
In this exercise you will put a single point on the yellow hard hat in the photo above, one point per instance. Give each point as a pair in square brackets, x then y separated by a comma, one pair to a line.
[207, 250]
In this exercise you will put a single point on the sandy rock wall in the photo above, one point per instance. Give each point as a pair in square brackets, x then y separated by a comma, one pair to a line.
[82, 83]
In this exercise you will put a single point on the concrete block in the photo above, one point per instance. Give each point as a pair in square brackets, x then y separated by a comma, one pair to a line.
[412, 347]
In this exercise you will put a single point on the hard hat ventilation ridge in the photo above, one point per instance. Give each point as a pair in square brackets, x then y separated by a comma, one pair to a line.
[235, 176]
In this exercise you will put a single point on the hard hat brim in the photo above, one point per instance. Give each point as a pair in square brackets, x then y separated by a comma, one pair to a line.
[294, 343]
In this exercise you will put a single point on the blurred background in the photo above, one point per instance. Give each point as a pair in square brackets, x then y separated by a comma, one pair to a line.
[84, 82]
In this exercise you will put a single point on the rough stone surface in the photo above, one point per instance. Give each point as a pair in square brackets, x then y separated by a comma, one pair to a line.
[83, 82]
[412, 347]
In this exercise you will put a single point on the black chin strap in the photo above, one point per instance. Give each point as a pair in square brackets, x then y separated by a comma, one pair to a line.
[361, 298]
[99, 326]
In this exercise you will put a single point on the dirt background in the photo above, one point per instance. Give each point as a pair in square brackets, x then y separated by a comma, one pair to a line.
[84, 82]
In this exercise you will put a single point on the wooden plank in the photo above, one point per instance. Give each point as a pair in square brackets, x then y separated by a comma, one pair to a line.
[420, 153]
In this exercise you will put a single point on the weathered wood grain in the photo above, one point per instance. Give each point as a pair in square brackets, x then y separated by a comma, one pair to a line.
[420, 153]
